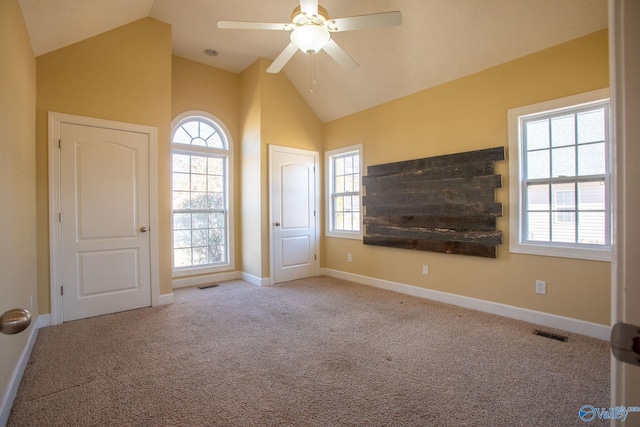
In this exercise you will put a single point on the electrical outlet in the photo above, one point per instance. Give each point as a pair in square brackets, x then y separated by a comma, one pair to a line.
[349, 258]
[425, 269]
[541, 287]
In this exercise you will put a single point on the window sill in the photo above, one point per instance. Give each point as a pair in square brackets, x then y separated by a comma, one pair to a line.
[344, 235]
[562, 251]
[196, 271]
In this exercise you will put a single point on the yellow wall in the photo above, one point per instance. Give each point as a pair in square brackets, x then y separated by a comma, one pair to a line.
[122, 75]
[470, 114]
[250, 186]
[17, 180]
[273, 112]
[195, 86]
[287, 121]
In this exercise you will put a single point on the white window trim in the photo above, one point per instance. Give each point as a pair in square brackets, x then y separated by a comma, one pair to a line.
[516, 225]
[229, 266]
[329, 232]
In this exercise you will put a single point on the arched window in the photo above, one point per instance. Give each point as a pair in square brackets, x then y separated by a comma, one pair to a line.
[201, 185]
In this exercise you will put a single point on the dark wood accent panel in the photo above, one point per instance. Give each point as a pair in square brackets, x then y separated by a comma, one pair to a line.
[421, 184]
[469, 170]
[460, 160]
[477, 223]
[440, 204]
[485, 237]
[446, 209]
[458, 248]
[428, 196]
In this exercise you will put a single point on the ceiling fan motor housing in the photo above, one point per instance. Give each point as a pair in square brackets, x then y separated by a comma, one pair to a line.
[299, 18]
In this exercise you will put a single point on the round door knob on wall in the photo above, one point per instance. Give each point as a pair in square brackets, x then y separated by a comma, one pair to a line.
[143, 229]
[15, 321]
[277, 224]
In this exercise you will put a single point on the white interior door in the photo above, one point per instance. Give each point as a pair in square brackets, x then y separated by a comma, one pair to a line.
[625, 57]
[293, 213]
[104, 205]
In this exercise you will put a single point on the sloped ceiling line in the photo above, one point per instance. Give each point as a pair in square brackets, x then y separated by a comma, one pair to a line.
[439, 40]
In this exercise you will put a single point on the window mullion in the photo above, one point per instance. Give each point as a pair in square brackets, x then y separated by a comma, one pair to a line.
[575, 212]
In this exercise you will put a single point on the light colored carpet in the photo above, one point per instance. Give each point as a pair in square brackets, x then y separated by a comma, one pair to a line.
[313, 352]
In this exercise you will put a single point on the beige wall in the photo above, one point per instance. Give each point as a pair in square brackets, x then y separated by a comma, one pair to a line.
[122, 75]
[18, 277]
[469, 114]
[195, 86]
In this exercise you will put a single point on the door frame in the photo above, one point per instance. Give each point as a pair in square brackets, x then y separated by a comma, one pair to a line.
[316, 164]
[55, 232]
[625, 272]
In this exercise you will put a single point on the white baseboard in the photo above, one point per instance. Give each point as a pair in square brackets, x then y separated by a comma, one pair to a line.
[581, 327]
[43, 321]
[186, 282]
[166, 299]
[255, 280]
[18, 371]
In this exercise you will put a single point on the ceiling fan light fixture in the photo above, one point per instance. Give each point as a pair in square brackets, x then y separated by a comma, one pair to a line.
[310, 38]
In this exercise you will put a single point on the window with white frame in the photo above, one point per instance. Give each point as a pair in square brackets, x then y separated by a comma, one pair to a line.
[344, 201]
[559, 177]
[201, 187]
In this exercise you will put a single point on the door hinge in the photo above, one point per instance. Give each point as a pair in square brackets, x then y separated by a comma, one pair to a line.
[59, 144]
[315, 257]
[60, 217]
[61, 290]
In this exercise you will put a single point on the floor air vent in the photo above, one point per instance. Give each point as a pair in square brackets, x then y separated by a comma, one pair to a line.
[215, 285]
[550, 335]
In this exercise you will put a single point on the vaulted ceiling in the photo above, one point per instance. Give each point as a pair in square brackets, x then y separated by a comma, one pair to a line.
[438, 41]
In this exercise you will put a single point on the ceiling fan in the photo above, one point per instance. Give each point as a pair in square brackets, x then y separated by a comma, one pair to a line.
[311, 31]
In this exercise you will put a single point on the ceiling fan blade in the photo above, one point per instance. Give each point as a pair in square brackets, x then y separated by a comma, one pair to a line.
[282, 59]
[377, 20]
[340, 56]
[239, 25]
[309, 7]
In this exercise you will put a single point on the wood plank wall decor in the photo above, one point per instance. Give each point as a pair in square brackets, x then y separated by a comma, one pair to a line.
[438, 204]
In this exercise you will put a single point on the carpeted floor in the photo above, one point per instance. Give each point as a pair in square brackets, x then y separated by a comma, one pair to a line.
[313, 352]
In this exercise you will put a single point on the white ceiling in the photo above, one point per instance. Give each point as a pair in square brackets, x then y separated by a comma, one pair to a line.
[438, 41]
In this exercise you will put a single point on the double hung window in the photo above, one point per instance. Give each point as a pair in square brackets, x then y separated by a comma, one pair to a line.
[344, 212]
[560, 178]
[200, 172]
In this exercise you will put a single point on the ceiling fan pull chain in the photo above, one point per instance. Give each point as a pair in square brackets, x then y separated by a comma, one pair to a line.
[313, 73]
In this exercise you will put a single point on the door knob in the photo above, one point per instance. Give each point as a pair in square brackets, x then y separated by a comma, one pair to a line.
[625, 343]
[277, 224]
[15, 321]
[143, 229]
